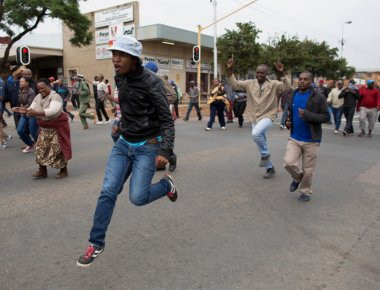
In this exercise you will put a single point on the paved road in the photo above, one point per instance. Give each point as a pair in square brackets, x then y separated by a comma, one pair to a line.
[230, 228]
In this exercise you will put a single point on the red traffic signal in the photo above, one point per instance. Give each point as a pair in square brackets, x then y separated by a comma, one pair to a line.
[196, 54]
[23, 55]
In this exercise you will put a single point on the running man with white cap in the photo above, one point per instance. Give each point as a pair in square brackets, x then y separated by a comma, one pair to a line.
[146, 141]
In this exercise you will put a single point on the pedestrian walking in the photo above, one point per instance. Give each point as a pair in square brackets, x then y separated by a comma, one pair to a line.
[102, 97]
[240, 105]
[193, 101]
[146, 141]
[262, 104]
[12, 88]
[2, 103]
[178, 97]
[84, 100]
[218, 102]
[325, 91]
[75, 92]
[64, 92]
[336, 104]
[171, 97]
[27, 73]
[53, 146]
[368, 106]
[307, 111]
[350, 95]
[115, 131]
[284, 102]
[230, 94]
[27, 127]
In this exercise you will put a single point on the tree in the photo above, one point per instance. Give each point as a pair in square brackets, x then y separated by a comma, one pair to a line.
[25, 16]
[242, 43]
[297, 56]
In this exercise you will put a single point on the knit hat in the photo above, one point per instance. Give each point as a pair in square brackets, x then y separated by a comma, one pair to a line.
[152, 66]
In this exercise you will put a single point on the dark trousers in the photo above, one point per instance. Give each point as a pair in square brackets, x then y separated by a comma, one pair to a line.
[349, 113]
[100, 109]
[239, 108]
[190, 107]
[217, 108]
[75, 101]
[65, 110]
[176, 108]
[337, 113]
[16, 118]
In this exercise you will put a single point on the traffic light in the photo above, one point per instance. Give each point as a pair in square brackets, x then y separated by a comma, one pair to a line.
[23, 55]
[196, 53]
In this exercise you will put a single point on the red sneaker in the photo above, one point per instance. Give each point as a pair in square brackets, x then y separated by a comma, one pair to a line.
[173, 193]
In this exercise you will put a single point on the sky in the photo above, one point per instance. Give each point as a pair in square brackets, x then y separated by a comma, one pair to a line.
[318, 20]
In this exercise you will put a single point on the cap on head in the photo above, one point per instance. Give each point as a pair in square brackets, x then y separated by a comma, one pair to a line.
[152, 66]
[321, 82]
[370, 82]
[128, 45]
[80, 76]
[192, 83]
[51, 79]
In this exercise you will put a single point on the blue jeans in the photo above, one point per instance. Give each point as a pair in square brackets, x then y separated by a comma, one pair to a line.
[337, 112]
[284, 114]
[124, 161]
[258, 134]
[31, 123]
[217, 107]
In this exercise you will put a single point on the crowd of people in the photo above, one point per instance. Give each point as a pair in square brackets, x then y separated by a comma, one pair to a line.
[145, 105]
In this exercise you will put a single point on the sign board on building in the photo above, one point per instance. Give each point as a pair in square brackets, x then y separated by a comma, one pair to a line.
[129, 30]
[101, 36]
[163, 62]
[115, 15]
[176, 63]
[102, 52]
[147, 58]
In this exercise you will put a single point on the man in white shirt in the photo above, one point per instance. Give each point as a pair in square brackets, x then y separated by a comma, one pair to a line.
[102, 91]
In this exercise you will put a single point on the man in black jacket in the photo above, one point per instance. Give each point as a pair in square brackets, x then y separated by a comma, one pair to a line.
[146, 141]
[351, 97]
[307, 111]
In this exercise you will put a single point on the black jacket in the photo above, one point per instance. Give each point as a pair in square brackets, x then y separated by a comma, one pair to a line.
[316, 113]
[144, 109]
[350, 97]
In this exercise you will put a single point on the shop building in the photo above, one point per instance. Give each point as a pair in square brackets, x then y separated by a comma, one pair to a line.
[169, 47]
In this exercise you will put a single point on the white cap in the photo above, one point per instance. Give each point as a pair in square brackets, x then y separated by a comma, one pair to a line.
[128, 45]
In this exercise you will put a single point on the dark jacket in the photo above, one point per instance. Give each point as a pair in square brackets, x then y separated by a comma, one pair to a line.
[350, 97]
[316, 113]
[145, 110]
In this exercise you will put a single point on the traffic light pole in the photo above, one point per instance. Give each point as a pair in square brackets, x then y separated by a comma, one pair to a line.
[200, 29]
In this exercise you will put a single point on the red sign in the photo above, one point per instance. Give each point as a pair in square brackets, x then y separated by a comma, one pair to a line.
[5, 40]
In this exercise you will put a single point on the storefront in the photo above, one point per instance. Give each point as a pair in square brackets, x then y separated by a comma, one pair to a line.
[169, 47]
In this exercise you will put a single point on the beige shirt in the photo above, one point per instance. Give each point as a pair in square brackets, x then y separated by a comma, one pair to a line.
[52, 105]
[261, 102]
[333, 98]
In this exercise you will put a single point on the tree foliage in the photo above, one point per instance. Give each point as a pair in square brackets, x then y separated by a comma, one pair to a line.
[17, 18]
[297, 55]
[242, 43]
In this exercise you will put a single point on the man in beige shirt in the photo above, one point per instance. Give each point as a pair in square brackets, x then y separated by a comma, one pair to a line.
[262, 103]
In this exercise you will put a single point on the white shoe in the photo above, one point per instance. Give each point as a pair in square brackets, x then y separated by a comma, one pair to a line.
[282, 127]
[28, 149]
[106, 122]
[336, 132]
[99, 123]
[223, 128]
[9, 137]
[208, 129]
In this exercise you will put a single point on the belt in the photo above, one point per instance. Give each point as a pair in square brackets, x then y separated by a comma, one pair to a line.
[152, 141]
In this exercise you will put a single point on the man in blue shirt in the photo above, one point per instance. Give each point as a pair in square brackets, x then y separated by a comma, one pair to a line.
[307, 111]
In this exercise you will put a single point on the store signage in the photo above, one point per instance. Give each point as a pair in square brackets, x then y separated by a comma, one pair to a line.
[114, 31]
[101, 36]
[102, 52]
[129, 30]
[147, 58]
[177, 63]
[114, 15]
[163, 62]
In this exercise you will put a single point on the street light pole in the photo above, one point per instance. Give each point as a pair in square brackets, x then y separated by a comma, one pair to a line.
[342, 40]
[215, 49]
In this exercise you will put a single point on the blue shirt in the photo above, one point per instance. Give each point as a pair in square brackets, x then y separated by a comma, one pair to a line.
[301, 130]
[1, 87]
